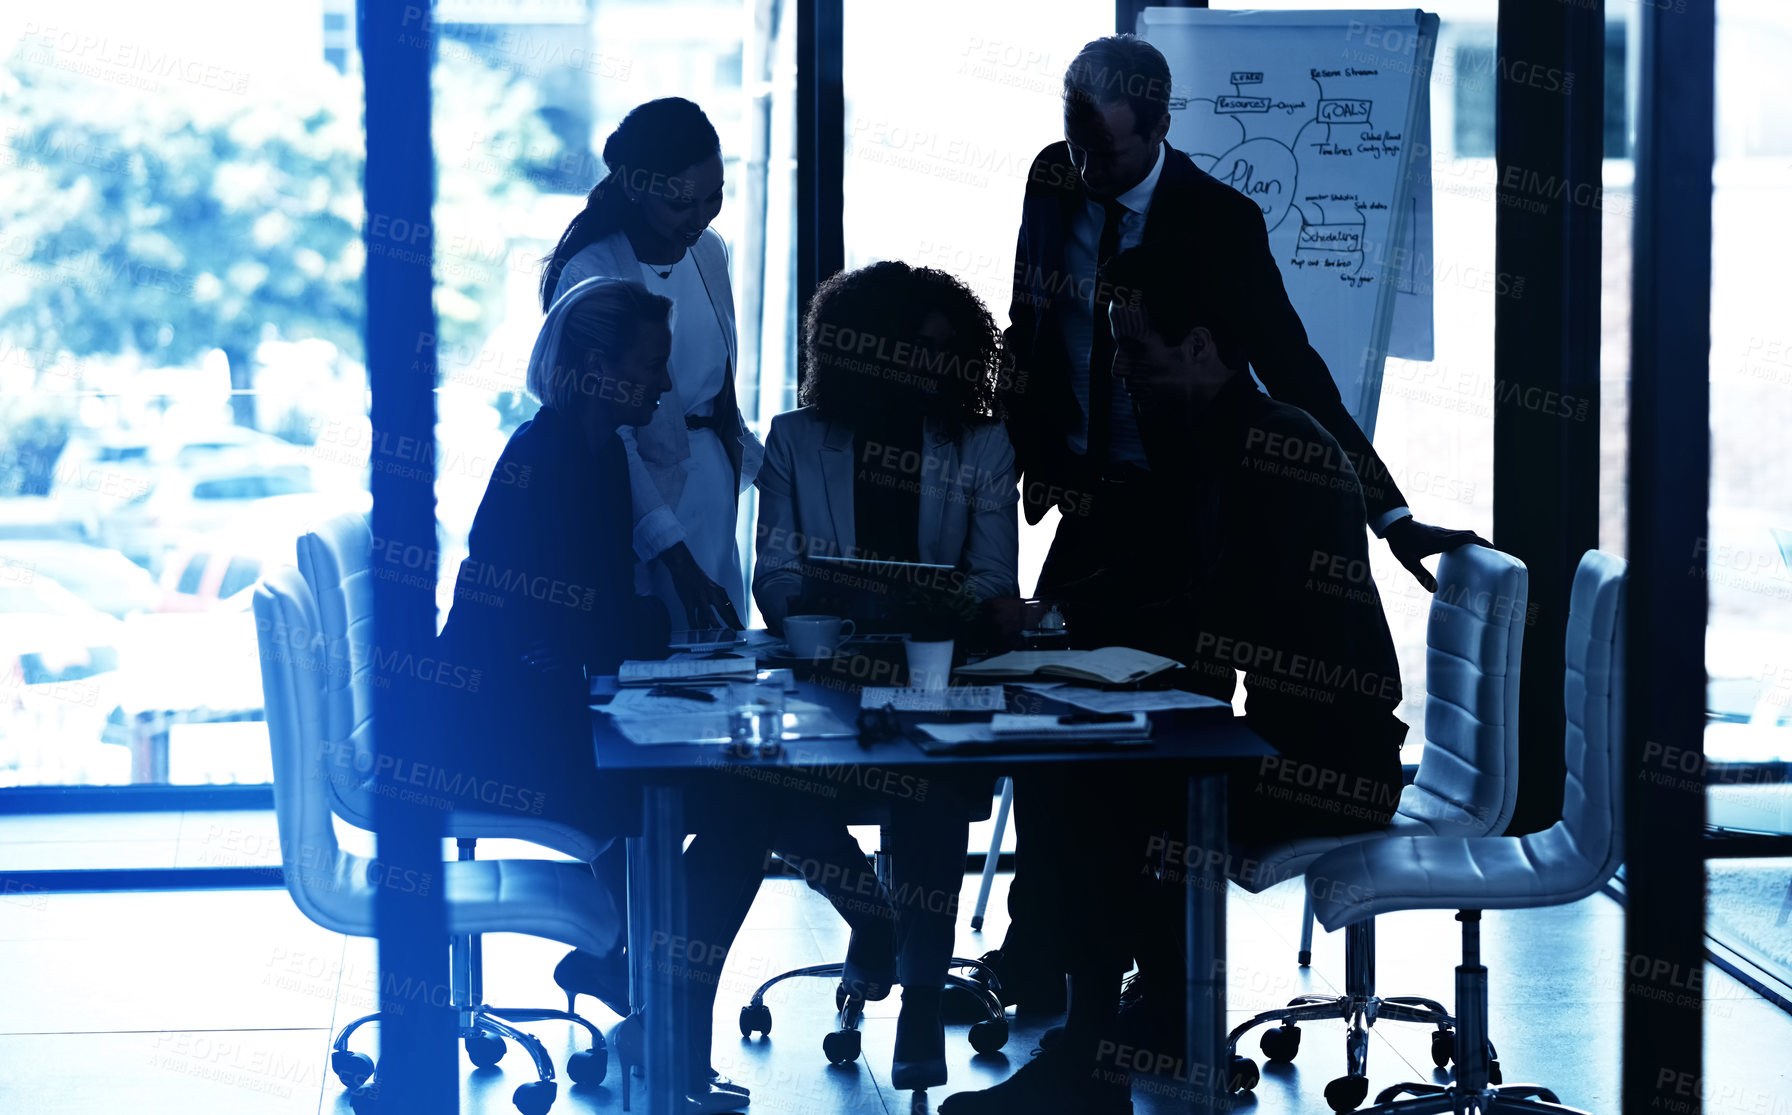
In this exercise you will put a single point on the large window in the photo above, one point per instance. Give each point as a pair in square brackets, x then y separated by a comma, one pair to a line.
[181, 316]
[946, 105]
[180, 336]
[1747, 558]
[522, 112]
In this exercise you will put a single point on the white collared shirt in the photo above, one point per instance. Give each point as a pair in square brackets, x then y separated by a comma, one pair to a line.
[1076, 317]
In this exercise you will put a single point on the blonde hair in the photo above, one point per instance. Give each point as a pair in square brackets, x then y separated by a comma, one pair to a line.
[603, 315]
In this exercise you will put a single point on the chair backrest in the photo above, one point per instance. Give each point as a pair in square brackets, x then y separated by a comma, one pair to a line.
[335, 560]
[325, 882]
[1474, 642]
[1588, 842]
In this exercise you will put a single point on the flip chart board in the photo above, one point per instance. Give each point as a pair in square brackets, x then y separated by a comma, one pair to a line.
[1316, 117]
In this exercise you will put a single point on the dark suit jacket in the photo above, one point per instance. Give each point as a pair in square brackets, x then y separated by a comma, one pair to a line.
[548, 562]
[1270, 575]
[1205, 219]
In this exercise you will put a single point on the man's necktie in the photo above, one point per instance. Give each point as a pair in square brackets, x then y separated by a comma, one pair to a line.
[1101, 346]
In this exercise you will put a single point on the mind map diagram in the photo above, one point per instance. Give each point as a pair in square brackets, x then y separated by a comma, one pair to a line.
[1317, 173]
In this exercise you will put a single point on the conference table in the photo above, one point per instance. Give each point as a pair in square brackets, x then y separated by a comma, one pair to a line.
[670, 779]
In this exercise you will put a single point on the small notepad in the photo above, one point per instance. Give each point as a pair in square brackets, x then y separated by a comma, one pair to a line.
[635, 672]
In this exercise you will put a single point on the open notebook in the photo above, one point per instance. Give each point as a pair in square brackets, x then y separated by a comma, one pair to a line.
[1112, 665]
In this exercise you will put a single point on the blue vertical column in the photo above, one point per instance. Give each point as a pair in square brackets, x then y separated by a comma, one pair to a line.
[1670, 478]
[1546, 346]
[821, 145]
[418, 1052]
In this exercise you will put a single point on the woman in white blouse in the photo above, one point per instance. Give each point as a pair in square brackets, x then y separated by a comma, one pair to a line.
[648, 221]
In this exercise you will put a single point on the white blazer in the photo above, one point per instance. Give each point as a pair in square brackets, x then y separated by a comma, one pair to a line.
[968, 507]
[659, 453]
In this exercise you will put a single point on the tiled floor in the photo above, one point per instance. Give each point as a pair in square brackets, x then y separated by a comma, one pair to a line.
[225, 1002]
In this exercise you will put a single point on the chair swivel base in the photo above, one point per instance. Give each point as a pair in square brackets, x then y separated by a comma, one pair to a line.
[1447, 1099]
[483, 1030]
[843, 1044]
[1360, 1009]
[1360, 1012]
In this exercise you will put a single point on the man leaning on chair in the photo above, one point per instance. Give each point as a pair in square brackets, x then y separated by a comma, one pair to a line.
[1114, 183]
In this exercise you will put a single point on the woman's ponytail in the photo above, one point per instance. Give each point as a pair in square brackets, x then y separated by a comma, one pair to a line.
[660, 137]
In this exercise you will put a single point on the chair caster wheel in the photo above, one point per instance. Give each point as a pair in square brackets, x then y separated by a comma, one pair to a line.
[755, 1016]
[1282, 1042]
[1493, 1073]
[588, 1066]
[1244, 1074]
[535, 1097]
[1347, 1093]
[1305, 958]
[1443, 1047]
[989, 1035]
[841, 1046]
[353, 1069]
[485, 1050]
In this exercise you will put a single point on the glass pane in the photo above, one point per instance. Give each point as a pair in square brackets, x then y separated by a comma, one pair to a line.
[1750, 911]
[523, 108]
[946, 105]
[180, 320]
[1749, 642]
[1747, 558]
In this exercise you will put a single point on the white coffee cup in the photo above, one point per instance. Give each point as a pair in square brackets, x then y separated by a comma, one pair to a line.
[929, 663]
[815, 636]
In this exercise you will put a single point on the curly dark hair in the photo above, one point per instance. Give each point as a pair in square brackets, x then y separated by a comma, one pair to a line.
[861, 356]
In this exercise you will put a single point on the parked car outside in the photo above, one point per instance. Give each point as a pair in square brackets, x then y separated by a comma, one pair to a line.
[183, 502]
[101, 577]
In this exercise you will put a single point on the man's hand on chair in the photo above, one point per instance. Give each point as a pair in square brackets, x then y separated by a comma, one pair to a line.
[1413, 541]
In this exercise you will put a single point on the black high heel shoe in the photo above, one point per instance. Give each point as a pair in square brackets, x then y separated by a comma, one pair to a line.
[920, 1058]
[717, 1093]
[604, 978]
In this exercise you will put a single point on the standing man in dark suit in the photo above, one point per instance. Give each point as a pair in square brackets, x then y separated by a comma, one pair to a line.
[1114, 183]
[1244, 544]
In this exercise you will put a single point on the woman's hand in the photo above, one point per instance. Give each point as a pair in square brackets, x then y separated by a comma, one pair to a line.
[701, 595]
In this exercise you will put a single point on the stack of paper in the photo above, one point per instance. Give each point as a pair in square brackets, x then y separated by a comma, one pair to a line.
[1124, 700]
[1113, 665]
[956, 698]
[698, 727]
[645, 701]
[1044, 727]
[683, 721]
[687, 670]
[1032, 732]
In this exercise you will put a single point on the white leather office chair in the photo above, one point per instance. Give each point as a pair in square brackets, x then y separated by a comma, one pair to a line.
[560, 901]
[1564, 863]
[338, 562]
[1467, 785]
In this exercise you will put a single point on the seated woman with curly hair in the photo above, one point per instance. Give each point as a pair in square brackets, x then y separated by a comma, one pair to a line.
[897, 455]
